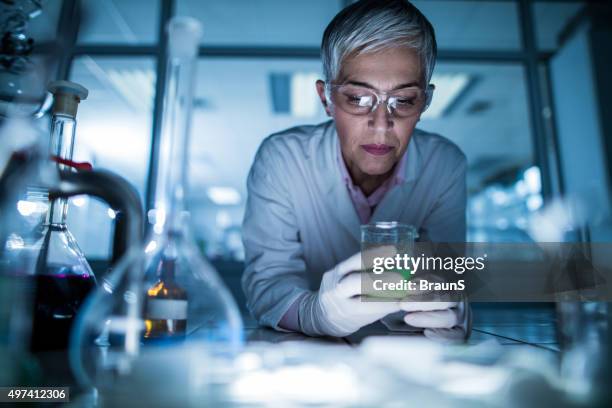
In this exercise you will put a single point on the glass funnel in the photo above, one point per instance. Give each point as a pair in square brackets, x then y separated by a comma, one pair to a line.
[164, 309]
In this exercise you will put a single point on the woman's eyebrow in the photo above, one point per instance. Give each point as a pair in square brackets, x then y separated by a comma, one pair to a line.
[370, 86]
[363, 84]
[406, 85]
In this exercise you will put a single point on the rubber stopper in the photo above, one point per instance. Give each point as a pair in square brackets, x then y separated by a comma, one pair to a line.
[66, 97]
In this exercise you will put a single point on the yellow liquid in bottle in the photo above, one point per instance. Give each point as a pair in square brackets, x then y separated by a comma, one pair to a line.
[166, 307]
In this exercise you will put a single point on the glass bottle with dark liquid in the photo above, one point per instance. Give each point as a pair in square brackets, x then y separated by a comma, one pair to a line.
[165, 306]
[63, 278]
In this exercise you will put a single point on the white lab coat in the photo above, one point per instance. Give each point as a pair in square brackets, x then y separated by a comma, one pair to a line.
[300, 220]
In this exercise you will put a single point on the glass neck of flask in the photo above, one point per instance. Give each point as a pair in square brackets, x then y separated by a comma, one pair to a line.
[171, 177]
[62, 146]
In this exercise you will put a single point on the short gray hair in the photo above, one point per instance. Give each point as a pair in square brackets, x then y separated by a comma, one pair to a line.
[375, 25]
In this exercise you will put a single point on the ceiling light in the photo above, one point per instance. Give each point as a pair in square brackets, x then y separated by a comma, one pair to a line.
[223, 195]
[136, 86]
[304, 98]
[294, 93]
[448, 89]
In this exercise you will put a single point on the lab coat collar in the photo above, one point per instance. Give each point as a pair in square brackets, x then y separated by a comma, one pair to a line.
[334, 186]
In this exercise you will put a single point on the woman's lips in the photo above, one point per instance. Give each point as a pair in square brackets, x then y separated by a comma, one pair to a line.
[377, 149]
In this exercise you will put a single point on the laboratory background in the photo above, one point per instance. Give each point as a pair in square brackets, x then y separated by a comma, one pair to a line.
[523, 87]
[509, 94]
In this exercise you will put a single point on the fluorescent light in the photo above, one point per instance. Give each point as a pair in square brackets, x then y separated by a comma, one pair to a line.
[224, 195]
[304, 98]
[136, 86]
[533, 180]
[448, 88]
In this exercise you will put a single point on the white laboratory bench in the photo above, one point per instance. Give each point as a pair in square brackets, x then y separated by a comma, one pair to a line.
[510, 360]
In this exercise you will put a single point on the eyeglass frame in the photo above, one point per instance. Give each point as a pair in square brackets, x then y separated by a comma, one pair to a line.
[378, 95]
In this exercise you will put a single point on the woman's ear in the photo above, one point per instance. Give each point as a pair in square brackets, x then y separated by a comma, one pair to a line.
[321, 91]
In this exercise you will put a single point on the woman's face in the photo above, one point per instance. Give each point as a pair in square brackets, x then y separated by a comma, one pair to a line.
[372, 143]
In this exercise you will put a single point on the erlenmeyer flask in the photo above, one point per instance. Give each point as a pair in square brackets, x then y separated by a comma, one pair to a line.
[63, 276]
[164, 299]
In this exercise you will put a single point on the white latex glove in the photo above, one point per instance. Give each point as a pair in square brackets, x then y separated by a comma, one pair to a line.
[337, 309]
[441, 321]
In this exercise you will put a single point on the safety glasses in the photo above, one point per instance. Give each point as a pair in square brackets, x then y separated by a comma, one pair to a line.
[359, 100]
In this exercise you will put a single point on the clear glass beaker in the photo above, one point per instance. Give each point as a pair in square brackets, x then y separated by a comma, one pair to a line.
[387, 239]
[392, 234]
[389, 233]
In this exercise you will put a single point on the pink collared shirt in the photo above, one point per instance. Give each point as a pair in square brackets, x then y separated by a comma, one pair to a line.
[365, 205]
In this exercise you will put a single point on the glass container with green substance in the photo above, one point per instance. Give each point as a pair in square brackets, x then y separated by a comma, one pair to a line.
[398, 237]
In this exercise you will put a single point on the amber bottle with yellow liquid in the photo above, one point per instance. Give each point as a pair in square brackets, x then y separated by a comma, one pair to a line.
[166, 305]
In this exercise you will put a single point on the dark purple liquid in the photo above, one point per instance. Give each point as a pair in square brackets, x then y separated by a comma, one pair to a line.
[56, 302]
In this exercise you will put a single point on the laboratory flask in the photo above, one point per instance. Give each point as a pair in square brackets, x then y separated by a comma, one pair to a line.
[165, 297]
[27, 182]
[63, 276]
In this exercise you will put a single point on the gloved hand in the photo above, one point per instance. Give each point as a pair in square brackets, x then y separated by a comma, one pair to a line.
[337, 308]
[442, 321]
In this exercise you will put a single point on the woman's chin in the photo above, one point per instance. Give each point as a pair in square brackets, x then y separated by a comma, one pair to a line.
[376, 169]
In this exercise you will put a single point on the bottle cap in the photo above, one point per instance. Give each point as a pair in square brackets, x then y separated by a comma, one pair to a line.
[67, 96]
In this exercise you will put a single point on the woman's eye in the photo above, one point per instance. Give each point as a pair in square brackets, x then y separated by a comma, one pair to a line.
[357, 100]
[406, 101]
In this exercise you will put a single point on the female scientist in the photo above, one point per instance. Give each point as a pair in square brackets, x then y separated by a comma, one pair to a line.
[311, 187]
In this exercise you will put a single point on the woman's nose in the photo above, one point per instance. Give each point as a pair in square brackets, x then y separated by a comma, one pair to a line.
[380, 117]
